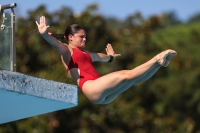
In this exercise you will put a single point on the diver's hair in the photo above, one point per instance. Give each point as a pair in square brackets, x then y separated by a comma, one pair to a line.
[72, 29]
[58, 36]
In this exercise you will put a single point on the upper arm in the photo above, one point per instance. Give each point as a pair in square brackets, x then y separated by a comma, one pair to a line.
[62, 48]
[59, 46]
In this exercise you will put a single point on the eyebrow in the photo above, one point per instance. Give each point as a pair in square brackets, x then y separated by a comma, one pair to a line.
[82, 35]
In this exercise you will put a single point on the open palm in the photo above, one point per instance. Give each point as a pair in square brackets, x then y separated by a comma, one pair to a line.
[42, 27]
[110, 51]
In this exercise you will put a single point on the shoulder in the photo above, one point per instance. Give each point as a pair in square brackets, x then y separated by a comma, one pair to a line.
[66, 52]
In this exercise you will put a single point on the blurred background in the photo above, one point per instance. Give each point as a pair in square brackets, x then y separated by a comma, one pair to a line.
[169, 102]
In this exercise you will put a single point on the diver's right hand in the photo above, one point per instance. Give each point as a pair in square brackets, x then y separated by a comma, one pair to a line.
[42, 27]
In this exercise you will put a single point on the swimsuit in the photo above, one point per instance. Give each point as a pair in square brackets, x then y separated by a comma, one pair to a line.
[83, 62]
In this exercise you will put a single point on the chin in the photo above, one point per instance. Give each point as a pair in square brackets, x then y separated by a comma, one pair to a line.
[83, 46]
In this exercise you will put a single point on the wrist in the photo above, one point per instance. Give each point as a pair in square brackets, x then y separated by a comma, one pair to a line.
[45, 34]
[111, 58]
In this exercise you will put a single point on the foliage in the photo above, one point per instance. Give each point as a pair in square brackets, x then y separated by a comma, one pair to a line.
[167, 103]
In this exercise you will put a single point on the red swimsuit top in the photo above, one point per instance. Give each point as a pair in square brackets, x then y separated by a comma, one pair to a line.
[82, 60]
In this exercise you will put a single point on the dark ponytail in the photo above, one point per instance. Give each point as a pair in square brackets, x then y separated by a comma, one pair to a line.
[58, 36]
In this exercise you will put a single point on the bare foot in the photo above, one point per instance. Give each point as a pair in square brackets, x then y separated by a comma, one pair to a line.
[164, 57]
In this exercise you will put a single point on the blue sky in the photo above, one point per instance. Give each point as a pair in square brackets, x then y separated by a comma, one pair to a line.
[116, 8]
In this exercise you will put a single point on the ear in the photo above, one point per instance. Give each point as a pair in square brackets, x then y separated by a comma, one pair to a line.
[70, 36]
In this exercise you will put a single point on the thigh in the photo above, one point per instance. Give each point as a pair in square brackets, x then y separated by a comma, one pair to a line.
[105, 85]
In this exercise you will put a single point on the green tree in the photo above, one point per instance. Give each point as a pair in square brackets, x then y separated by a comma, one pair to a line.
[167, 103]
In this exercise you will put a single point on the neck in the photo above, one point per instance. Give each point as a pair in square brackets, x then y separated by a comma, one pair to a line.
[72, 46]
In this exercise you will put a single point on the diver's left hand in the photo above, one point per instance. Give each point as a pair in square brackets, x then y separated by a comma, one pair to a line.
[110, 51]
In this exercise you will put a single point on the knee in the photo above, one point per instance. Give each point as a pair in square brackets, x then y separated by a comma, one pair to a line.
[124, 75]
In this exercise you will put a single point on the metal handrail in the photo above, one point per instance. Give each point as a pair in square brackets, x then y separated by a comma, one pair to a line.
[13, 45]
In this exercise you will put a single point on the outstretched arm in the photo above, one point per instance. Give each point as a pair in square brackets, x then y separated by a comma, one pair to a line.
[104, 57]
[42, 27]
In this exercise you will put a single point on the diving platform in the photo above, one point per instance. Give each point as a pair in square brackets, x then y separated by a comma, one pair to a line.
[23, 96]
